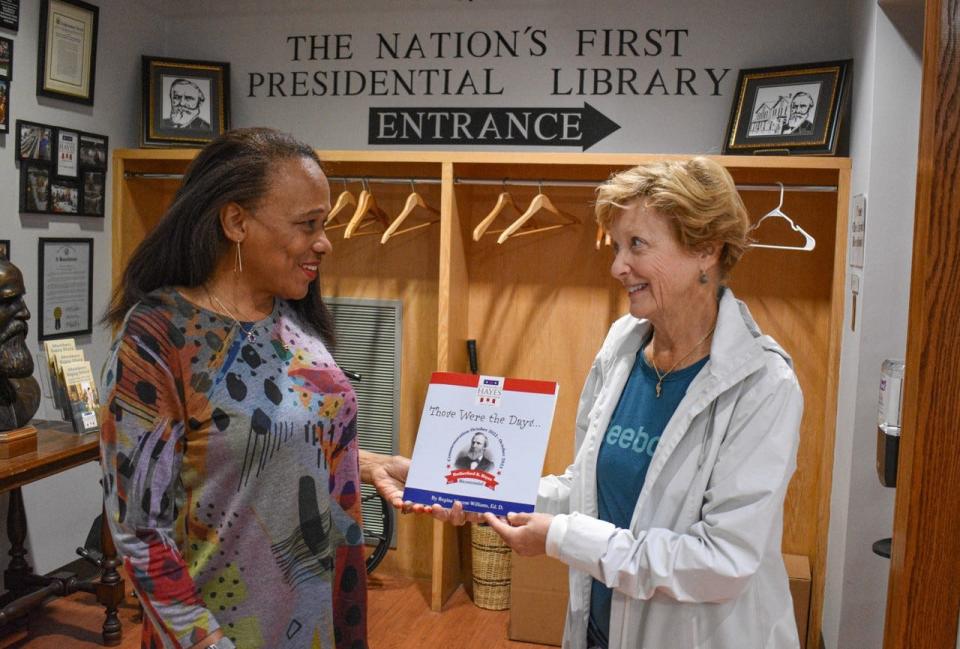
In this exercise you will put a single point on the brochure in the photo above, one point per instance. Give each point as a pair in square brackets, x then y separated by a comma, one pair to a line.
[82, 396]
[482, 441]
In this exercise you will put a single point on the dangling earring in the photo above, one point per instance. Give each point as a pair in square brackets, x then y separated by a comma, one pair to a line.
[238, 262]
[703, 274]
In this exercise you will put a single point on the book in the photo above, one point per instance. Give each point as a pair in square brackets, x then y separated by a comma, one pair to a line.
[81, 393]
[50, 350]
[60, 359]
[482, 441]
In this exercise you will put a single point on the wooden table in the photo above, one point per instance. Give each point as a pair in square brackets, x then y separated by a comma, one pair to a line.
[58, 449]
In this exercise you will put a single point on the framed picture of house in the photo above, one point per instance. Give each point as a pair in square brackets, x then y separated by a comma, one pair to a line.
[793, 109]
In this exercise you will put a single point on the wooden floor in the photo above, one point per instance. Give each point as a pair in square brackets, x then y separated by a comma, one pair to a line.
[399, 618]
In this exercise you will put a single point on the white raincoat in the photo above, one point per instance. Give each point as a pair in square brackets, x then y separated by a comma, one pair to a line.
[701, 565]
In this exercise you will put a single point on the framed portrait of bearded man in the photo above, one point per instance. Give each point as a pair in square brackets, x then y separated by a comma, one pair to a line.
[185, 103]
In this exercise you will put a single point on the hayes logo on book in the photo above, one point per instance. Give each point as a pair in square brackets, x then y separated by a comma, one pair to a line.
[490, 390]
[476, 456]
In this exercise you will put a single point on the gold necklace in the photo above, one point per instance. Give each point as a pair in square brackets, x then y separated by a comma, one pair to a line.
[661, 377]
[249, 333]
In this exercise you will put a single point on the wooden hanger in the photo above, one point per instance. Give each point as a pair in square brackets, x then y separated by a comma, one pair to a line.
[808, 241]
[504, 200]
[366, 205]
[540, 202]
[414, 200]
[344, 200]
[603, 239]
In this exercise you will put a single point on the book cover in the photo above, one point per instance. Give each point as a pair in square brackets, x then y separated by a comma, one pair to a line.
[60, 386]
[81, 392]
[482, 441]
[50, 349]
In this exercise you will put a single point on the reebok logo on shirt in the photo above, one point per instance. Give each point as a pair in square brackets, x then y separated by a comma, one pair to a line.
[638, 439]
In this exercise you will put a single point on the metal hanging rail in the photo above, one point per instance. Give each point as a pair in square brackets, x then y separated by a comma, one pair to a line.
[516, 182]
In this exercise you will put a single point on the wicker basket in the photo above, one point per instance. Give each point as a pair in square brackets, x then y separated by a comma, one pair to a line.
[491, 569]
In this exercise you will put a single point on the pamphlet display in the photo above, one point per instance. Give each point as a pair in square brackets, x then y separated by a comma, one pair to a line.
[482, 441]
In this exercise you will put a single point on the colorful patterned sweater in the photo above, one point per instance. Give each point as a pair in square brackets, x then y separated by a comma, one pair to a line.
[232, 479]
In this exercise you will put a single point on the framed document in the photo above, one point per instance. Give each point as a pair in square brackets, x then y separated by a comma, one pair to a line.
[10, 14]
[66, 62]
[67, 153]
[482, 440]
[66, 287]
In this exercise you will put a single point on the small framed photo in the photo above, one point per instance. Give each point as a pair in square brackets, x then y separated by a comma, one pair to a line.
[5, 249]
[35, 187]
[185, 103]
[10, 14]
[793, 109]
[4, 105]
[67, 154]
[6, 58]
[67, 58]
[93, 151]
[66, 287]
[64, 196]
[34, 141]
[93, 191]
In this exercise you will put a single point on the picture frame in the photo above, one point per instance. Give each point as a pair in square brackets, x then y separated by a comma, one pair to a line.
[5, 249]
[185, 102]
[6, 58]
[34, 141]
[10, 14]
[35, 188]
[64, 70]
[62, 170]
[67, 152]
[65, 295]
[4, 105]
[790, 109]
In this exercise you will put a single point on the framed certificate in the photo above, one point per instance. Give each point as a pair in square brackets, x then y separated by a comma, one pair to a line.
[66, 287]
[67, 58]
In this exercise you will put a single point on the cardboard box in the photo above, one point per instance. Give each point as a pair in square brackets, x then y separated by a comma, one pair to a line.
[798, 571]
[538, 599]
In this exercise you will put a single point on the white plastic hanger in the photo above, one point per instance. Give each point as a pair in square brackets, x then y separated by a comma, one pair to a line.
[366, 205]
[540, 202]
[504, 200]
[414, 200]
[808, 242]
[344, 200]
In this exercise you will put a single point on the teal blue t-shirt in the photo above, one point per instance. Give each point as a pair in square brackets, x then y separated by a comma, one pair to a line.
[625, 454]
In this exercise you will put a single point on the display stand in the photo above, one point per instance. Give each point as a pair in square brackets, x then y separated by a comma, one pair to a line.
[58, 448]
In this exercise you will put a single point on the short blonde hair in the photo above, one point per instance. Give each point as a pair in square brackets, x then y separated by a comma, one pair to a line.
[698, 195]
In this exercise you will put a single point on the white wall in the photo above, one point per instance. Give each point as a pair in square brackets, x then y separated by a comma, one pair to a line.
[884, 147]
[252, 36]
[61, 510]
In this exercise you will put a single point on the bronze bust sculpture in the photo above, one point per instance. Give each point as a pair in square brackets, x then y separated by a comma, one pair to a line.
[19, 391]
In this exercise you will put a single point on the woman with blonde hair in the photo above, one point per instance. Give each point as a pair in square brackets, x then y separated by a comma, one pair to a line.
[671, 515]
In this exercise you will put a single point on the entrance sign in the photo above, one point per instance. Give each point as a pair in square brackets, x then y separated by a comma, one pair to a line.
[581, 127]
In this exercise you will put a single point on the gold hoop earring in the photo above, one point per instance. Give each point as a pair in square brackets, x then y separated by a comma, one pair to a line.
[703, 276]
[238, 262]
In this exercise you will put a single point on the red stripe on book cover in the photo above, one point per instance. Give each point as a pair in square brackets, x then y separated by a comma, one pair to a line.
[528, 385]
[454, 378]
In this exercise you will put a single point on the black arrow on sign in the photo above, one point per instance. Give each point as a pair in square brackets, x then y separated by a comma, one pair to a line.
[431, 126]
